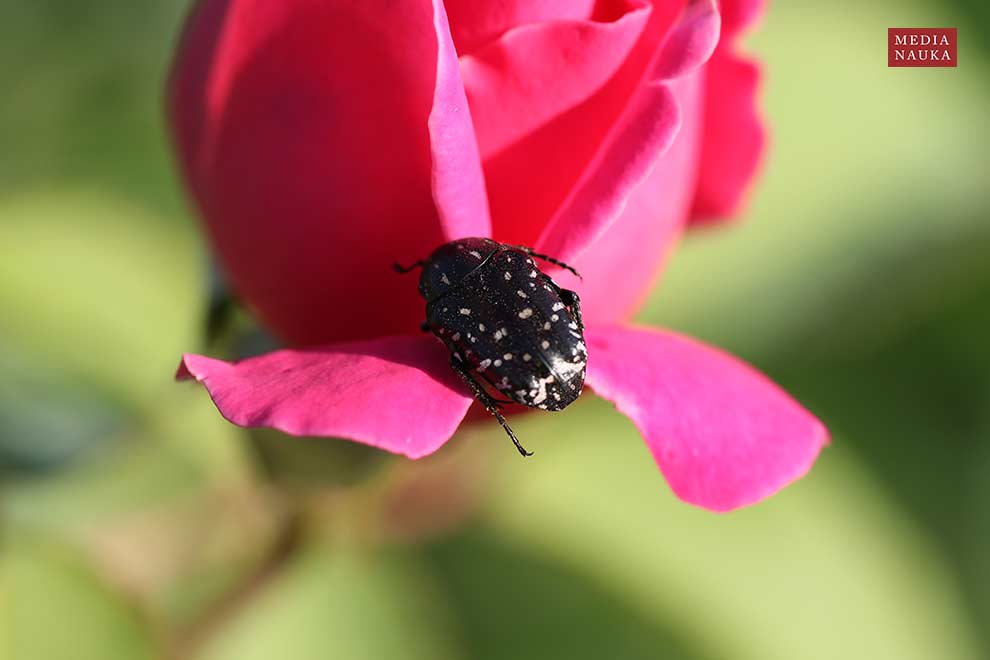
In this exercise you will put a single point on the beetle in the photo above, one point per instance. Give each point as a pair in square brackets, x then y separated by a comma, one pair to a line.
[508, 326]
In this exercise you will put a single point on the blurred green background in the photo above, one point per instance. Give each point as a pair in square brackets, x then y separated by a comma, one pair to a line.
[135, 523]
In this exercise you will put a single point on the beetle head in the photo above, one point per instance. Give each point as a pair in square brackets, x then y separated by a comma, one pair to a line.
[452, 262]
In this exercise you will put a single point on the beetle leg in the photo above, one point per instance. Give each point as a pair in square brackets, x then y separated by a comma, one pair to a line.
[532, 253]
[486, 400]
[408, 269]
[499, 403]
[572, 300]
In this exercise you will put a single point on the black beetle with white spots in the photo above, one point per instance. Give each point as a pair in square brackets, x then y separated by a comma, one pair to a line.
[510, 328]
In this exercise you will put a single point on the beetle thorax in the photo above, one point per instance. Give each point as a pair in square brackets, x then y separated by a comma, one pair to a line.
[449, 264]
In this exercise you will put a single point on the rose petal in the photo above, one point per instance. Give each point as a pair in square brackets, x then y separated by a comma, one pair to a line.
[722, 434]
[738, 15]
[639, 138]
[395, 393]
[535, 72]
[735, 137]
[690, 43]
[474, 23]
[458, 183]
[631, 182]
[314, 135]
[628, 157]
[543, 119]
[623, 263]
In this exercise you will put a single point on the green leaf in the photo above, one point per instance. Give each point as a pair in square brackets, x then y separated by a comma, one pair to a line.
[336, 603]
[825, 569]
[185, 450]
[44, 422]
[511, 603]
[83, 96]
[98, 289]
[54, 608]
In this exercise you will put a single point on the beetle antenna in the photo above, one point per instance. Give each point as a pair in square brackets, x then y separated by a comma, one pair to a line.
[408, 269]
[549, 259]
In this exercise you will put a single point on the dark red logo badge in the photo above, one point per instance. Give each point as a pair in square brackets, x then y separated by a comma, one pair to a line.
[921, 47]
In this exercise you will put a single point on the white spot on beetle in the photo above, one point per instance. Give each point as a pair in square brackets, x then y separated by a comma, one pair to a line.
[507, 275]
[546, 325]
[555, 317]
[527, 357]
[572, 326]
[545, 344]
[532, 273]
[465, 311]
[541, 392]
[521, 293]
[497, 363]
[456, 336]
[557, 306]
[484, 364]
[475, 254]
[443, 278]
[507, 356]
[526, 313]
[481, 326]
[498, 335]
[567, 370]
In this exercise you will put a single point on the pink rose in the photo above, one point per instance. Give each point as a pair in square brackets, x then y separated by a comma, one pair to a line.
[325, 139]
